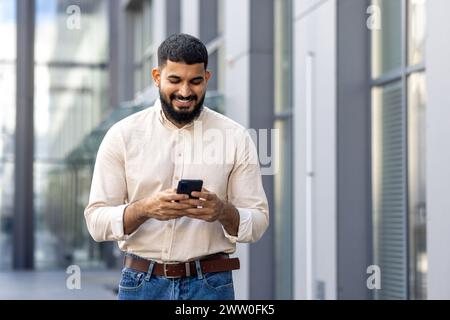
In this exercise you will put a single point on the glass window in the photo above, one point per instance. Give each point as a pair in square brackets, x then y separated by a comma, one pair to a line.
[211, 29]
[283, 211]
[71, 99]
[399, 189]
[7, 127]
[283, 150]
[61, 38]
[387, 42]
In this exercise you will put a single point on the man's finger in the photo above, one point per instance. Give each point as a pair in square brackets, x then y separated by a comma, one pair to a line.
[194, 202]
[169, 214]
[203, 195]
[178, 206]
[174, 197]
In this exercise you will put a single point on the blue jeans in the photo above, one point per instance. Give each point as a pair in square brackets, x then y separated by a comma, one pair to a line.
[138, 285]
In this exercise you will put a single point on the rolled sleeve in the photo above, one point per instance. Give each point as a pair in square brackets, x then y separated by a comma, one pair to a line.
[246, 193]
[245, 226]
[106, 223]
[108, 197]
[117, 222]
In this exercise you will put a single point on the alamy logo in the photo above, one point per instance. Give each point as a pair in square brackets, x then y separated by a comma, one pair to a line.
[74, 17]
[74, 280]
[374, 281]
[217, 147]
[374, 20]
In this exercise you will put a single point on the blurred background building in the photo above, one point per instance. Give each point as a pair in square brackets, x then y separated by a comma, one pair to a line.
[356, 89]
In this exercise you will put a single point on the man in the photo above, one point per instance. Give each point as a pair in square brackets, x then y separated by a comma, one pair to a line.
[177, 247]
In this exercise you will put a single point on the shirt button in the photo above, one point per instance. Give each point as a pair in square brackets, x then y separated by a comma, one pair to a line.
[179, 154]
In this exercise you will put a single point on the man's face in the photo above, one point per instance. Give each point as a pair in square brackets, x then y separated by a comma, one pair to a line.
[182, 89]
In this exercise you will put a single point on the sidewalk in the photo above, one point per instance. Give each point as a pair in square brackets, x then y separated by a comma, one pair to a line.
[51, 285]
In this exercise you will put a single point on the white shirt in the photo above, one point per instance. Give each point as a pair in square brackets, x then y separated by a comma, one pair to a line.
[145, 153]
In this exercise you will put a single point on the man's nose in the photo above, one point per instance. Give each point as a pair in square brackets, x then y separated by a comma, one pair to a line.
[185, 91]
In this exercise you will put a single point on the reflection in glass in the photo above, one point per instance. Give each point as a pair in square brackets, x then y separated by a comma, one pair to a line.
[7, 127]
[417, 184]
[71, 99]
[386, 42]
[416, 31]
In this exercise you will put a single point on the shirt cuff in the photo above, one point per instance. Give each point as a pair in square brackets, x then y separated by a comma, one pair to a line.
[245, 226]
[117, 223]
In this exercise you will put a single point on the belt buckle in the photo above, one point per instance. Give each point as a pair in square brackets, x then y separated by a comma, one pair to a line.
[165, 272]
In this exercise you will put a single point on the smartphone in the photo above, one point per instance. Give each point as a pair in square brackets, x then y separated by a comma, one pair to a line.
[187, 186]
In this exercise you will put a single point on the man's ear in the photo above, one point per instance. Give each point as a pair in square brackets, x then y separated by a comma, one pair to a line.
[208, 75]
[156, 75]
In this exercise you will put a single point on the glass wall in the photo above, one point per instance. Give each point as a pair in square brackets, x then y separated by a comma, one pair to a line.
[283, 122]
[398, 113]
[387, 41]
[7, 127]
[71, 99]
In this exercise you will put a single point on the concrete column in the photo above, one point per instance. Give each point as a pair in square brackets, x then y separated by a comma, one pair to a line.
[190, 17]
[262, 101]
[438, 149]
[354, 210]
[237, 99]
[23, 246]
[159, 22]
[315, 249]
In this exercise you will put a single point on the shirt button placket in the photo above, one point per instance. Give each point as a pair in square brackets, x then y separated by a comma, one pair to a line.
[180, 150]
[167, 240]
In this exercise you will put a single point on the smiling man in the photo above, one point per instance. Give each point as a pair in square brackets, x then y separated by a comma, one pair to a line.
[177, 247]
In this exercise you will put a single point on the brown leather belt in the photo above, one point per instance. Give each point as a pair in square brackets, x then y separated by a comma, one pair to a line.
[213, 263]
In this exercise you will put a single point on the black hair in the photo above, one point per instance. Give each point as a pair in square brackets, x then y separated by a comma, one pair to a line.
[184, 48]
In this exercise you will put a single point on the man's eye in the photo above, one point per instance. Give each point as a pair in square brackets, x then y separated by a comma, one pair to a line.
[174, 81]
[196, 82]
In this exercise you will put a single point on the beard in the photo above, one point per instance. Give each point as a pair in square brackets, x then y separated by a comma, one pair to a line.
[181, 117]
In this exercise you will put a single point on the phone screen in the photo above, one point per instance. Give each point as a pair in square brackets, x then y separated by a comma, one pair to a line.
[187, 186]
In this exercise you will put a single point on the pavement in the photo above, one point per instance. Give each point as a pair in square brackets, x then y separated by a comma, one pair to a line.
[59, 285]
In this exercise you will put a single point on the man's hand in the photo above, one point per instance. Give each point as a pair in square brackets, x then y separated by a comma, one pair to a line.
[209, 207]
[162, 206]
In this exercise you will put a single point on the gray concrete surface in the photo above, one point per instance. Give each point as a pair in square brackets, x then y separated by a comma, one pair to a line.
[52, 285]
